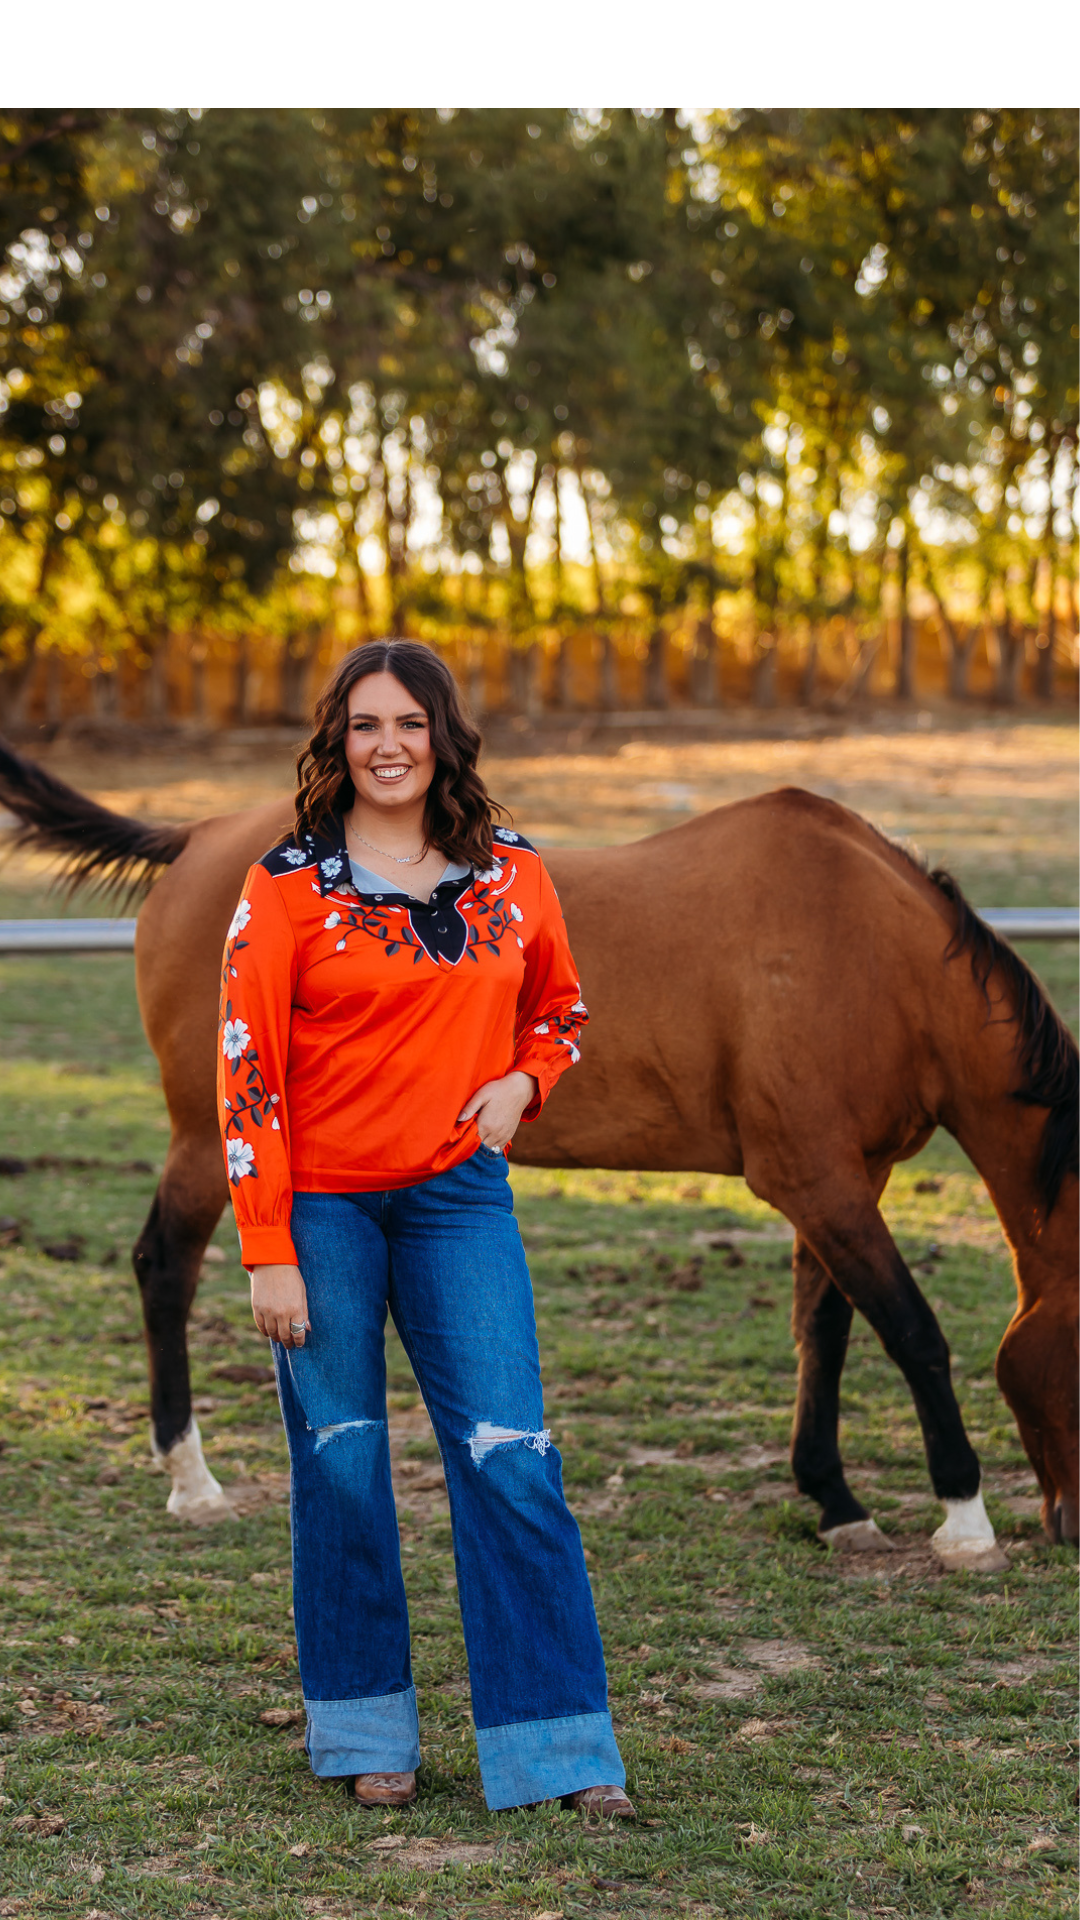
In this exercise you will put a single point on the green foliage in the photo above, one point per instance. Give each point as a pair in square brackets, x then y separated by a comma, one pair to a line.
[274, 341]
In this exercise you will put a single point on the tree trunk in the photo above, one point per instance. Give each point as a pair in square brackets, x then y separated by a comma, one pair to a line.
[18, 680]
[19, 683]
[476, 679]
[808, 677]
[905, 663]
[297, 653]
[656, 680]
[607, 687]
[557, 610]
[1009, 654]
[521, 675]
[598, 579]
[562, 692]
[764, 674]
[704, 665]
[957, 646]
[1045, 645]
[54, 689]
[242, 683]
[105, 693]
[156, 685]
[1046, 639]
[198, 681]
[363, 600]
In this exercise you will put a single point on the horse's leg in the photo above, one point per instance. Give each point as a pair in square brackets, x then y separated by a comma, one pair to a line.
[167, 1257]
[853, 1244]
[821, 1322]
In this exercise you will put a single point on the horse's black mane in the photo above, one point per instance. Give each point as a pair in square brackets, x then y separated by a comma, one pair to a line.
[1046, 1052]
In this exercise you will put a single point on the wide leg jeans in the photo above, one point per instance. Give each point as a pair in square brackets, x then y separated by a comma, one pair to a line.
[446, 1257]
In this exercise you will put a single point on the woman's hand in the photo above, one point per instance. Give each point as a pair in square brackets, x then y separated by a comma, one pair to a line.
[278, 1297]
[498, 1106]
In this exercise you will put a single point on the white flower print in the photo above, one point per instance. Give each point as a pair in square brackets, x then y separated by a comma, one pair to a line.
[340, 948]
[515, 912]
[520, 941]
[294, 856]
[489, 878]
[240, 919]
[239, 1158]
[504, 833]
[332, 867]
[542, 1028]
[234, 1038]
[579, 1007]
[332, 920]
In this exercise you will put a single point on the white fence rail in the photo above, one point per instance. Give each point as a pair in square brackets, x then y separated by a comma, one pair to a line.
[118, 936]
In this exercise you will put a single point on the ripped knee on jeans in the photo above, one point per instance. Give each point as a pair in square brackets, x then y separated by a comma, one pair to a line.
[324, 1435]
[486, 1436]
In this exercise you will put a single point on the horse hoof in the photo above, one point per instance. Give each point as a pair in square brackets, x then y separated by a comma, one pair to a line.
[857, 1536]
[969, 1556]
[200, 1509]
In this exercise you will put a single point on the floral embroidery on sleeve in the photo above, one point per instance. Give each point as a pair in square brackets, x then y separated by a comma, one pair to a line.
[252, 1098]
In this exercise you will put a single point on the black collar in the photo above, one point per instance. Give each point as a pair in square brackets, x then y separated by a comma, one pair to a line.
[329, 850]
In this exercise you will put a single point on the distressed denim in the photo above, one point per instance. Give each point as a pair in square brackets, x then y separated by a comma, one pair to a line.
[446, 1257]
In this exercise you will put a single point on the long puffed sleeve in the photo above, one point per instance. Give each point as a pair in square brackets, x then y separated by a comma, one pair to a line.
[257, 986]
[550, 1012]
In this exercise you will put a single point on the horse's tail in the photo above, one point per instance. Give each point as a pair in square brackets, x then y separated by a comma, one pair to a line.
[1047, 1055]
[121, 855]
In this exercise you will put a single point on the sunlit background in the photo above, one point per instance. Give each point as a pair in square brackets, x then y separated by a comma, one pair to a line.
[621, 408]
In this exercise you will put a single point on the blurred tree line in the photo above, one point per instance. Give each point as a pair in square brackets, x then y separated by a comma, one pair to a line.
[609, 404]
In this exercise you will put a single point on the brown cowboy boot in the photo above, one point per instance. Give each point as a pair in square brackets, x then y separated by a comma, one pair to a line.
[384, 1789]
[610, 1803]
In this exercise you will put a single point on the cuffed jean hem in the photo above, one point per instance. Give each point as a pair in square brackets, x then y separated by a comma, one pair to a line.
[379, 1734]
[542, 1759]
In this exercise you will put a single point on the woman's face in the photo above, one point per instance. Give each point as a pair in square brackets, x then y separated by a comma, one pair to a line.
[387, 743]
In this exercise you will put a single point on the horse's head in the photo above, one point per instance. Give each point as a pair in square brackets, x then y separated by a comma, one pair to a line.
[1037, 1364]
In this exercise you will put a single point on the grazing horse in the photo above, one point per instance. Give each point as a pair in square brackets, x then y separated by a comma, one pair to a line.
[776, 991]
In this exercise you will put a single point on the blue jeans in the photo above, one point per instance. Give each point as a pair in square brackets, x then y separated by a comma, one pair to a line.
[446, 1256]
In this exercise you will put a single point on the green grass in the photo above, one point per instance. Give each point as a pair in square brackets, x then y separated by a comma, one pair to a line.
[900, 1742]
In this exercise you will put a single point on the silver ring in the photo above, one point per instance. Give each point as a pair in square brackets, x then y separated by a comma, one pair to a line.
[297, 1326]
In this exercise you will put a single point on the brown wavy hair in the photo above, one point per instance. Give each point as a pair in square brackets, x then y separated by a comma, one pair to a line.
[459, 810]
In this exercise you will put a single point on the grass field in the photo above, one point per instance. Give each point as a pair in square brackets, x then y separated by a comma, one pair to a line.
[804, 1736]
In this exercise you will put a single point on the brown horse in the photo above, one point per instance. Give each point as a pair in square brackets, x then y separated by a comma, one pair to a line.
[776, 991]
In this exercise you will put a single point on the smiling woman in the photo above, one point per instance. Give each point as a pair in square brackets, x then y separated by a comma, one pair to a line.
[379, 1046]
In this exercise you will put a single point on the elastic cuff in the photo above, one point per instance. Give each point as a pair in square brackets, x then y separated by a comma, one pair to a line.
[266, 1247]
[543, 1759]
[545, 1072]
[378, 1734]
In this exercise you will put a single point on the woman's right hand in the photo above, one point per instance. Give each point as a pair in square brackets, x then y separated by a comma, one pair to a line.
[278, 1297]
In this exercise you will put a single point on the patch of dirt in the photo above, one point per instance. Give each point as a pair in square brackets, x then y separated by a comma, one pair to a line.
[780, 1656]
[44, 1825]
[756, 1457]
[911, 1560]
[427, 1856]
[1017, 1673]
[765, 1729]
[730, 1684]
[672, 1457]
[768, 1657]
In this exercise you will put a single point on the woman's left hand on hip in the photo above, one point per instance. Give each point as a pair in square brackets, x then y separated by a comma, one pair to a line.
[497, 1107]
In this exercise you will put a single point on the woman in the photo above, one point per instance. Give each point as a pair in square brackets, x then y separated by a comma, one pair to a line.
[398, 994]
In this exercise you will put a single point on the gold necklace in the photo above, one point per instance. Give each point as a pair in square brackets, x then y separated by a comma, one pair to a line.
[410, 859]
